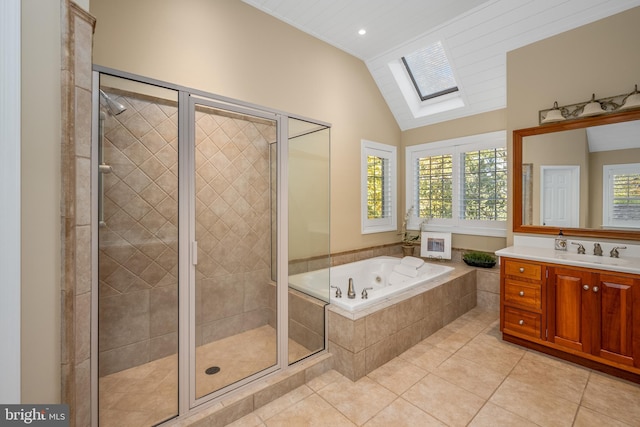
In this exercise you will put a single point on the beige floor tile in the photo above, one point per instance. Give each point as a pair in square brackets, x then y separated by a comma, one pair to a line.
[445, 401]
[468, 327]
[588, 418]
[312, 411]
[549, 376]
[493, 329]
[397, 375]
[425, 356]
[403, 414]
[147, 394]
[324, 380]
[494, 416]
[614, 397]
[533, 404]
[251, 420]
[492, 336]
[283, 402]
[358, 401]
[448, 339]
[490, 356]
[482, 315]
[474, 377]
[120, 418]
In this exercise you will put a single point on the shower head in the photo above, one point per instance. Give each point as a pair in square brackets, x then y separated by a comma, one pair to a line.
[114, 107]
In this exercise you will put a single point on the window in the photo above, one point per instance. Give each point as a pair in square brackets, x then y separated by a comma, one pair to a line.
[621, 195]
[378, 174]
[460, 183]
[427, 80]
[430, 71]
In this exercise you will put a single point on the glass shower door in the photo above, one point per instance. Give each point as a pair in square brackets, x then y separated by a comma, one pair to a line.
[137, 253]
[234, 205]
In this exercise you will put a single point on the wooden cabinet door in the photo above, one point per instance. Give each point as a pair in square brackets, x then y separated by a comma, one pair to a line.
[570, 303]
[618, 316]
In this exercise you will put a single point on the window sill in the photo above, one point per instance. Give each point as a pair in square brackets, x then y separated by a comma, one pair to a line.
[474, 231]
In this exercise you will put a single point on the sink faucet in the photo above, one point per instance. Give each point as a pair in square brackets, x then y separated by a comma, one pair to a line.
[614, 252]
[597, 249]
[580, 247]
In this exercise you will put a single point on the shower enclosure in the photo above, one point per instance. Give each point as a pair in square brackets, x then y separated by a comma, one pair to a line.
[203, 206]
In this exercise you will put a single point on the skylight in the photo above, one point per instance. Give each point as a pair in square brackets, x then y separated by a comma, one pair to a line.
[430, 71]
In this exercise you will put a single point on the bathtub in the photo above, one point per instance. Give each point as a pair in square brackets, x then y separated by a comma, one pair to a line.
[378, 273]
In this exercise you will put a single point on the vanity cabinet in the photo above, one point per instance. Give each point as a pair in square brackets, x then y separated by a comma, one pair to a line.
[585, 314]
[522, 295]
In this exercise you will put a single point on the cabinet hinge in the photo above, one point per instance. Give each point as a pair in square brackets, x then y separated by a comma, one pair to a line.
[546, 333]
[546, 273]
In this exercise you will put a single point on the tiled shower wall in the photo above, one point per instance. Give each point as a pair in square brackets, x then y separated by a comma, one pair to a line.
[233, 224]
[138, 244]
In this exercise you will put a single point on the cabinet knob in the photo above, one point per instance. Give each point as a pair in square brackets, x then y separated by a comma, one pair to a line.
[596, 289]
[585, 287]
[521, 322]
[521, 293]
[521, 269]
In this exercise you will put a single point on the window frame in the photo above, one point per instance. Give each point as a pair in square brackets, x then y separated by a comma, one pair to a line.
[414, 77]
[456, 147]
[389, 152]
[608, 197]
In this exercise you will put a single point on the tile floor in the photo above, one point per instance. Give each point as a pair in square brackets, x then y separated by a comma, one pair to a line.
[463, 375]
[147, 394]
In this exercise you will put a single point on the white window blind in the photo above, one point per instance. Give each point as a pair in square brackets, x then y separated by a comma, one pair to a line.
[460, 185]
[378, 187]
[621, 195]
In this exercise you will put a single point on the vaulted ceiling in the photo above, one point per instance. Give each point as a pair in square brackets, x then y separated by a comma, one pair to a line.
[476, 35]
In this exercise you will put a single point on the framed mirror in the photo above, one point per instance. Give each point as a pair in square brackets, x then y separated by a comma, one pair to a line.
[579, 176]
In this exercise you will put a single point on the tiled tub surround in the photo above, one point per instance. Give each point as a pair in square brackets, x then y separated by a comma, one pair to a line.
[362, 341]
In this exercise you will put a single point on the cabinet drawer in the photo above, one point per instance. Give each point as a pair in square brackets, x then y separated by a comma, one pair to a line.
[523, 270]
[523, 294]
[522, 322]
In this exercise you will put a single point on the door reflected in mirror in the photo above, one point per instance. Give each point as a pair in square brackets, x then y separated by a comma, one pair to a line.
[582, 177]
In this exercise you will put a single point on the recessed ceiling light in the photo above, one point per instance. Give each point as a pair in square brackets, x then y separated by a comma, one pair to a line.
[362, 31]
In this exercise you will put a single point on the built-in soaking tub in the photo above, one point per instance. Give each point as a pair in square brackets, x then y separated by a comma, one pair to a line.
[386, 276]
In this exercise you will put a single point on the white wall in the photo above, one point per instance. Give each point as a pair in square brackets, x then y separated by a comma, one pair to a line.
[40, 204]
[232, 49]
[10, 201]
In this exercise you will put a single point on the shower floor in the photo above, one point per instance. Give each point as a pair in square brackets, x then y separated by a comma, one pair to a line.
[147, 395]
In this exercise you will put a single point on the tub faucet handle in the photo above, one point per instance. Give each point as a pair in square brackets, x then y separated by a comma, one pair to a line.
[351, 293]
[338, 291]
[365, 295]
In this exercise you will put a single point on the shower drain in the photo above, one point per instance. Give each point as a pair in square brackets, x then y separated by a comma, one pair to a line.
[212, 370]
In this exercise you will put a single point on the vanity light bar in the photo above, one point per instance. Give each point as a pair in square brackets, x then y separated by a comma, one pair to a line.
[593, 107]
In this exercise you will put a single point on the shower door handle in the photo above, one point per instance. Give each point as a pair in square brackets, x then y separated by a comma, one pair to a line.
[194, 253]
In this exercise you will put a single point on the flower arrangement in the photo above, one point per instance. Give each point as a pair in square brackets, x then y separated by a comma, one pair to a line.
[408, 239]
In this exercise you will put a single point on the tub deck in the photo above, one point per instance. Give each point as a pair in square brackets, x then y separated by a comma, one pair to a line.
[364, 340]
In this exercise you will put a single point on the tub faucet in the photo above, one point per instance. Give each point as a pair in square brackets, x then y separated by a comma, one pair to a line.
[365, 295]
[351, 293]
[597, 249]
[614, 252]
[338, 291]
